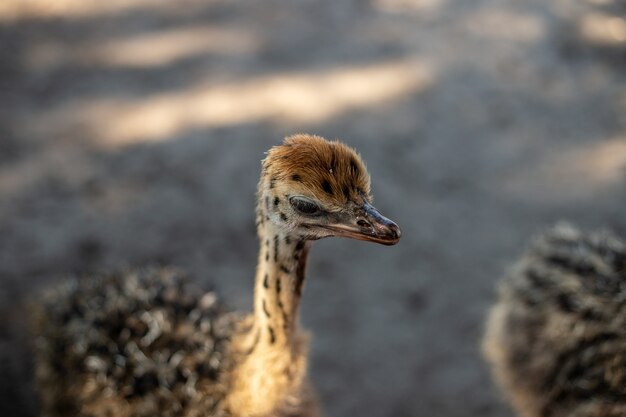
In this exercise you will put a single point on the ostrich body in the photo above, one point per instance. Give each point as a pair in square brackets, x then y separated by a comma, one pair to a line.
[556, 339]
[146, 343]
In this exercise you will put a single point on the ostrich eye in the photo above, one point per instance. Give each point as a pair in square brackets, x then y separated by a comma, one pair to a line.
[304, 206]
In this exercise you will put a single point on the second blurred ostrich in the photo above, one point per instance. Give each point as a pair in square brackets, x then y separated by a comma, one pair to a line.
[145, 343]
[556, 339]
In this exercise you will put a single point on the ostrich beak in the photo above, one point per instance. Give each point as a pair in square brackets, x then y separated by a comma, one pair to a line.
[367, 224]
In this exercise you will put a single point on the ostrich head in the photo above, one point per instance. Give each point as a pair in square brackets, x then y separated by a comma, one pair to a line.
[313, 188]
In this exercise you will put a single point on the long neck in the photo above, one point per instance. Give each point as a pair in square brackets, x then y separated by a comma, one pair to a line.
[279, 280]
[275, 349]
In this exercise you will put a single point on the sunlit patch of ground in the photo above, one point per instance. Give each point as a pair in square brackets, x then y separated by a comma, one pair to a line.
[599, 164]
[14, 10]
[285, 98]
[144, 50]
[574, 174]
[603, 29]
[401, 6]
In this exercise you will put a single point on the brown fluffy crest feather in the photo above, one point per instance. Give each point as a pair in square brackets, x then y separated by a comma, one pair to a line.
[326, 170]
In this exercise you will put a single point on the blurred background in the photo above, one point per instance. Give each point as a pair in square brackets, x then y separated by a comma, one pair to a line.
[131, 133]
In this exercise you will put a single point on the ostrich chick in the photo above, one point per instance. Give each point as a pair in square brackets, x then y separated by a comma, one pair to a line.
[145, 343]
[556, 339]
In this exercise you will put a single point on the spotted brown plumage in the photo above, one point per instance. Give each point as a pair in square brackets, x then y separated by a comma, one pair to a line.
[556, 339]
[142, 343]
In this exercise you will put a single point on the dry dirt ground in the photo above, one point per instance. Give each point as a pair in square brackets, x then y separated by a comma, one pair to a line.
[131, 133]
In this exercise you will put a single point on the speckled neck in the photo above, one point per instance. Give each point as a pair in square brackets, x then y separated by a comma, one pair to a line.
[279, 280]
[271, 376]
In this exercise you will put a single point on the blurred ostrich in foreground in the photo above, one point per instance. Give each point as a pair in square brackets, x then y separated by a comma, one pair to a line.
[146, 343]
[556, 339]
